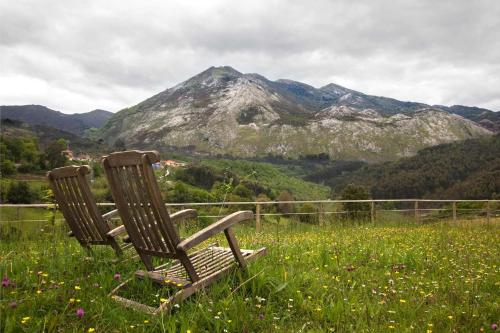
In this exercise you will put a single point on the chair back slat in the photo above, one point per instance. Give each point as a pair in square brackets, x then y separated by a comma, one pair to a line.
[72, 192]
[138, 199]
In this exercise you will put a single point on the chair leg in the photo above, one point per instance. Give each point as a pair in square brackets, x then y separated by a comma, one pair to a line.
[235, 248]
[188, 265]
[116, 247]
[88, 249]
[147, 261]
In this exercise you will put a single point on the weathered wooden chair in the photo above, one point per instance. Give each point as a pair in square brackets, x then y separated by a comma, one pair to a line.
[153, 233]
[72, 193]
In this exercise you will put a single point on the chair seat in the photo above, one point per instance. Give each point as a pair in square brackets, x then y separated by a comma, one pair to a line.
[207, 261]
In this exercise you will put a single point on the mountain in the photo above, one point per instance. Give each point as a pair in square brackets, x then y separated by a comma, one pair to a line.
[468, 169]
[45, 135]
[222, 111]
[40, 115]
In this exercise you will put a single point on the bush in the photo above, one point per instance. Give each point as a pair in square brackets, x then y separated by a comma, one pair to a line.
[312, 214]
[243, 192]
[285, 208]
[185, 193]
[356, 209]
[26, 168]
[20, 193]
[7, 167]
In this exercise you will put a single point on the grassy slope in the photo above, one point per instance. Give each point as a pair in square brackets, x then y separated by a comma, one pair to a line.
[277, 177]
[367, 278]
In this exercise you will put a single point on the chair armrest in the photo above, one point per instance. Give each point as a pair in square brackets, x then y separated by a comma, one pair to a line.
[214, 228]
[116, 231]
[109, 215]
[183, 215]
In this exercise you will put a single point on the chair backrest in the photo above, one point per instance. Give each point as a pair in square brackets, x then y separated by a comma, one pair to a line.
[138, 199]
[72, 193]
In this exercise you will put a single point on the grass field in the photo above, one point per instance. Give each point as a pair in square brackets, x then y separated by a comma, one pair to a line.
[439, 277]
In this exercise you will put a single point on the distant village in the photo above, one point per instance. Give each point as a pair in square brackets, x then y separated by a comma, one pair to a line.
[82, 157]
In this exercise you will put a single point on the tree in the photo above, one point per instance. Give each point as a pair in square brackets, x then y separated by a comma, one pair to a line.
[7, 167]
[53, 155]
[285, 208]
[20, 193]
[356, 192]
[120, 144]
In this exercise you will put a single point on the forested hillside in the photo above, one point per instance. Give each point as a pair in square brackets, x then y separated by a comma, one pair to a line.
[463, 170]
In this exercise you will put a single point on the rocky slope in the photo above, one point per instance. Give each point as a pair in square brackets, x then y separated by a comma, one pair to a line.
[222, 111]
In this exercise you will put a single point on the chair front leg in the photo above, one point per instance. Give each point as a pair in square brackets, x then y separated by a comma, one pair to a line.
[235, 248]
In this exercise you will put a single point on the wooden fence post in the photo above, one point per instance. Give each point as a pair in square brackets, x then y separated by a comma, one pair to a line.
[321, 214]
[488, 212]
[417, 213]
[372, 212]
[454, 211]
[258, 225]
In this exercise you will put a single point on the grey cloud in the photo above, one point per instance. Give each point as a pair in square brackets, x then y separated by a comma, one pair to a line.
[119, 52]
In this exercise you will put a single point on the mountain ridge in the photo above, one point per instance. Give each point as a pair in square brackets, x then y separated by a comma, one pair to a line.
[223, 111]
[35, 114]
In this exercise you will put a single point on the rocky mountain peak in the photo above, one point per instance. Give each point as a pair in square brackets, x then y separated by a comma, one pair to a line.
[222, 111]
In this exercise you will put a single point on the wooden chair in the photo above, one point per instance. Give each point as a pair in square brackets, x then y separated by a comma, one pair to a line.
[153, 233]
[72, 193]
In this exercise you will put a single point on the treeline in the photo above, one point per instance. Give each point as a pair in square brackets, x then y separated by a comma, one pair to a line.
[23, 155]
[462, 170]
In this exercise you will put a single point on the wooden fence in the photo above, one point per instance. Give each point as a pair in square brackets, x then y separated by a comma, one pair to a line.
[415, 204]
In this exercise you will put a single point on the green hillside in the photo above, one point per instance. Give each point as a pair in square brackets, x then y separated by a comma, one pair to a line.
[463, 170]
[274, 176]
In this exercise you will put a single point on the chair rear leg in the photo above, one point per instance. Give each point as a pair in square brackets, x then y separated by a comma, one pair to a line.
[116, 247]
[147, 261]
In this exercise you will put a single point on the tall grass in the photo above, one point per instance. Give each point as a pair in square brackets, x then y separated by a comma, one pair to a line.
[439, 277]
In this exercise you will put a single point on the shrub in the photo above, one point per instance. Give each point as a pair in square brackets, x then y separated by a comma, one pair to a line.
[20, 193]
[356, 209]
[7, 167]
[285, 208]
[26, 168]
[311, 211]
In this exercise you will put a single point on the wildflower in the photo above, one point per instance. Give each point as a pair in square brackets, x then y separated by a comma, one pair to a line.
[450, 317]
[163, 300]
[5, 282]
[25, 320]
[117, 276]
[402, 301]
[146, 321]
[72, 300]
[39, 292]
[13, 304]
[77, 288]
[80, 312]
[494, 327]
[91, 329]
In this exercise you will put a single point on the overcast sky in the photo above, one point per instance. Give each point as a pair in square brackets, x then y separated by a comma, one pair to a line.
[76, 56]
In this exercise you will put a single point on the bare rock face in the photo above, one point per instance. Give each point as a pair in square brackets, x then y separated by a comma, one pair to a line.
[222, 111]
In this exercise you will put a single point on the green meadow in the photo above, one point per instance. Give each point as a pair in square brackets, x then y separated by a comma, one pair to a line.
[337, 277]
